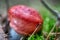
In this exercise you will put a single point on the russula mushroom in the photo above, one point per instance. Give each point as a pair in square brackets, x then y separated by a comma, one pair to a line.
[24, 19]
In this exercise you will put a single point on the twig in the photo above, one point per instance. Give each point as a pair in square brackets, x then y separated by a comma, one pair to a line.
[55, 33]
[54, 12]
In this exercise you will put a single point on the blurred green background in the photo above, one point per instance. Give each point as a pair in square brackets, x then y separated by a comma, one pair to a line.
[49, 19]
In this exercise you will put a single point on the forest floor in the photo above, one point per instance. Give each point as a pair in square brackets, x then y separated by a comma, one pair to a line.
[2, 34]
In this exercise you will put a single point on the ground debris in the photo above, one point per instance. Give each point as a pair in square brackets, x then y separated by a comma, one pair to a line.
[3, 36]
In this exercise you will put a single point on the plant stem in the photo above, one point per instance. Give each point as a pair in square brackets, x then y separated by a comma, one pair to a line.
[51, 31]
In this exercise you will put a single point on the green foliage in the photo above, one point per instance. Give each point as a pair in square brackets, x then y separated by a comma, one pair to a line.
[48, 24]
[31, 37]
[36, 37]
[52, 37]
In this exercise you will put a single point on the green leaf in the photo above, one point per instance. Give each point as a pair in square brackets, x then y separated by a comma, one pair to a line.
[31, 38]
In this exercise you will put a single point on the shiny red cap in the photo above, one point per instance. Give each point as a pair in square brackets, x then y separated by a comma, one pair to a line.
[26, 13]
[24, 19]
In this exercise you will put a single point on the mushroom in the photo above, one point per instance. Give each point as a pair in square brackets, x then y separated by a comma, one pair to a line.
[24, 19]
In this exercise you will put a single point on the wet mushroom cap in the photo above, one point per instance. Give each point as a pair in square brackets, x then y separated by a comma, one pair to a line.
[24, 19]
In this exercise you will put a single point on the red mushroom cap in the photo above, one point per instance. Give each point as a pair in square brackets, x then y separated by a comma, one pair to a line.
[24, 19]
